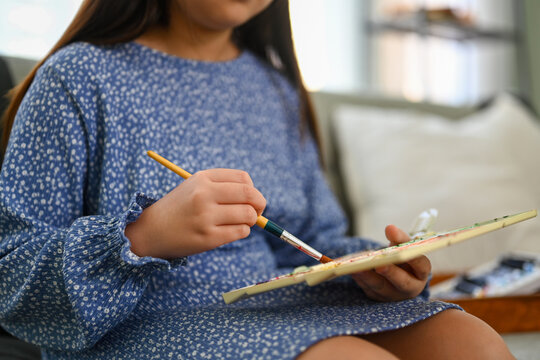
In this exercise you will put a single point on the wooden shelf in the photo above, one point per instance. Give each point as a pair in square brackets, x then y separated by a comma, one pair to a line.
[442, 22]
[441, 30]
[506, 314]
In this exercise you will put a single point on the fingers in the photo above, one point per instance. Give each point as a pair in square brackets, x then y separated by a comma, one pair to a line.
[395, 282]
[235, 214]
[395, 235]
[236, 193]
[373, 285]
[401, 280]
[390, 283]
[420, 267]
[226, 205]
[227, 175]
[230, 233]
[230, 186]
[209, 209]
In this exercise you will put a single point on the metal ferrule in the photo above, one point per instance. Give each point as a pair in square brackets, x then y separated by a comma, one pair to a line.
[300, 245]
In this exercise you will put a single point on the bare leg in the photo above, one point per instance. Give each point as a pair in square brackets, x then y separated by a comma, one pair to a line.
[452, 334]
[345, 348]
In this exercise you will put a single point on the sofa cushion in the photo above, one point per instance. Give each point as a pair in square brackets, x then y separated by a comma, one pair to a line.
[397, 163]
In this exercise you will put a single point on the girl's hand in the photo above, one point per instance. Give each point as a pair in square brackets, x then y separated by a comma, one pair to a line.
[209, 209]
[395, 282]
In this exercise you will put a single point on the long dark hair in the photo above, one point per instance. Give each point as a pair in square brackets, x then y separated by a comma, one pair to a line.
[107, 22]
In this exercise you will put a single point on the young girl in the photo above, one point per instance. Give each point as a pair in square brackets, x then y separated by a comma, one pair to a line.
[106, 254]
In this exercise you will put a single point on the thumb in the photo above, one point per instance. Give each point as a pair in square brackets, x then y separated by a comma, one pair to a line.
[395, 235]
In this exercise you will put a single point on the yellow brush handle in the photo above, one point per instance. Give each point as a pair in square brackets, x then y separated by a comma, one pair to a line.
[261, 220]
[169, 165]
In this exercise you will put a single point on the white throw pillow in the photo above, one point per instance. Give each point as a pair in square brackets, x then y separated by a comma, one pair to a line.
[397, 163]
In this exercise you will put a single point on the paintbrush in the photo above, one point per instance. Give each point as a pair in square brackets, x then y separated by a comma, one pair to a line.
[262, 222]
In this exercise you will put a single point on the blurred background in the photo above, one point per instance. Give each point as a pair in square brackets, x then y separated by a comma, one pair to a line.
[422, 50]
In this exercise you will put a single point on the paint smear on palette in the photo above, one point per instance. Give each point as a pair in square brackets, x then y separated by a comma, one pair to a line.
[420, 241]
[297, 271]
[372, 254]
[302, 270]
[355, 257]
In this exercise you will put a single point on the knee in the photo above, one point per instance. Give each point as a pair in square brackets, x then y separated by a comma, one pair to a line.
[345, 347]
[469, 337]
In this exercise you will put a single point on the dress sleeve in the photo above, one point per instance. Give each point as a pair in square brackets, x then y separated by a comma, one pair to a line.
[65, 278]
[325, 227]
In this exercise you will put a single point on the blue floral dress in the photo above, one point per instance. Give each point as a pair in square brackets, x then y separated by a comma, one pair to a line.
[76, 172]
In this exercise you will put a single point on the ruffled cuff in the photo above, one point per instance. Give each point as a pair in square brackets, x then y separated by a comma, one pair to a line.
[140, 202]
[103, 278]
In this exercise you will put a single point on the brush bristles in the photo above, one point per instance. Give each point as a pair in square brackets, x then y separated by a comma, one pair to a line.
[325, 259]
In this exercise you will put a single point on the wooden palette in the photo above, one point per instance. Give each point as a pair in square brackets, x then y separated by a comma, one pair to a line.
[367, 260]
